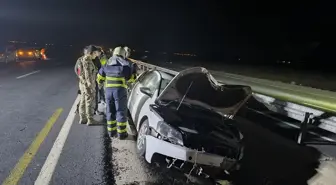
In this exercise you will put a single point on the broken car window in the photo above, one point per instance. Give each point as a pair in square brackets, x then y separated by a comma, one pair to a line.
[152, 81]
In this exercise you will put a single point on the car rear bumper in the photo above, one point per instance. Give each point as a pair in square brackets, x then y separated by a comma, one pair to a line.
[158, 146]
[26, 58]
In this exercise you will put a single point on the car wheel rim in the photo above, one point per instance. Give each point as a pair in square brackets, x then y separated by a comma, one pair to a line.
[142, 137]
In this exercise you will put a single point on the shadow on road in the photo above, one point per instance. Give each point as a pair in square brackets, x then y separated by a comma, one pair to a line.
[270, 158]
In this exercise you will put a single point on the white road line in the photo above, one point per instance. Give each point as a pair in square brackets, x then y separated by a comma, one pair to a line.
[28, 74]
[295, 126]
[50, 164]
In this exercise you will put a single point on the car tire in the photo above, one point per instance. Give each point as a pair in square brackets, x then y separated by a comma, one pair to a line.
[141, 139]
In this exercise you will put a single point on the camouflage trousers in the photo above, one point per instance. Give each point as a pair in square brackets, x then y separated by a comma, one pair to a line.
[87, 103]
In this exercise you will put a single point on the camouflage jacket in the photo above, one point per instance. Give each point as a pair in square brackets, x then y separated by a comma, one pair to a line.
[77, 65]
[88, 72]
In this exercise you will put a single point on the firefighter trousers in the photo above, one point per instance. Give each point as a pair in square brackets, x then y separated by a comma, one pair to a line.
[116, 111]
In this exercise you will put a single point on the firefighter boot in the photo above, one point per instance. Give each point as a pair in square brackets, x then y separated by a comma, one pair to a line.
[122, 136]
[112, 134]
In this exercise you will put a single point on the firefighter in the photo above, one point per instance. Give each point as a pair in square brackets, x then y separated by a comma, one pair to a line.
[101, 97]
[128, 51]
[115, 74]
[87, 85]
[133, 65]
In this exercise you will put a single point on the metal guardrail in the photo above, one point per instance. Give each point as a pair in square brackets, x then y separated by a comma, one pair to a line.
[323, 117]
[307, 96]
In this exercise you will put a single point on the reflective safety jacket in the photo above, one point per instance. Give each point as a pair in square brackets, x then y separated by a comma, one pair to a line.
[103, 60]
[115, 73]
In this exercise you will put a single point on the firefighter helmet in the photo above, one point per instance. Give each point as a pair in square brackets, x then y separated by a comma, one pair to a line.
[119, 51]
[128, 51]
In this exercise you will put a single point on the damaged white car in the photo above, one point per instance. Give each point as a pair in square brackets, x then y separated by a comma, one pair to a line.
[188, 119]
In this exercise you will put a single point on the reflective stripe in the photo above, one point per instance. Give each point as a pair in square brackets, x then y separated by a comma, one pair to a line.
[100, 78]
[111, 122]
[132, 79]
[103, 61]
[115, 82]
[122, 127]
[122, 123]
[116, 78]
[111, 129]
[116, 85]
[111, 125]
[122, 130]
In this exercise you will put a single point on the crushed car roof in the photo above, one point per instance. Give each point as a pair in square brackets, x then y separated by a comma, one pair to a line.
[198, 87]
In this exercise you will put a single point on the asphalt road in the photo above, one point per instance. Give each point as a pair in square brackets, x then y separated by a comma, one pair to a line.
[38, 96]
[30, 94]
[41, 141]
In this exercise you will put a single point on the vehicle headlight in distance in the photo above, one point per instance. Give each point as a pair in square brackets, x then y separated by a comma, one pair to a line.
[169, 132]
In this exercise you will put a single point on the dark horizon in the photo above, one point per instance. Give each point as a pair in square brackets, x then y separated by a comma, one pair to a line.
[232, 31]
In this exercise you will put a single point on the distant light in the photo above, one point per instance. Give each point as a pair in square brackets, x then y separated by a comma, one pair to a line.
[283, 61]
[185, 54]
[146, 51]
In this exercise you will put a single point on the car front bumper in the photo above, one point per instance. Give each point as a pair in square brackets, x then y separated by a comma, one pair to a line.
[158, 146]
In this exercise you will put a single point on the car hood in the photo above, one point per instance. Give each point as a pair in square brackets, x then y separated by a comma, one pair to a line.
[197, 86]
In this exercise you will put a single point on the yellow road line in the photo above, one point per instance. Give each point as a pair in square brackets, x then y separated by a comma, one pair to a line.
[19, 169]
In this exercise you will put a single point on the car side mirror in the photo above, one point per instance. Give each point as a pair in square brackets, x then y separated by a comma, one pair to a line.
[146, 91]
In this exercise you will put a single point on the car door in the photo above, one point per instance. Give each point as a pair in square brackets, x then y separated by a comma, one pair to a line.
[151, 81]
[132, 95]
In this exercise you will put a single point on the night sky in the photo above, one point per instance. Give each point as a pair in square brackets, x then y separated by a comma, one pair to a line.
[251, 29]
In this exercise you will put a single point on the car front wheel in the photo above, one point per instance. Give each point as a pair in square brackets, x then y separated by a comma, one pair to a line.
[141, 140]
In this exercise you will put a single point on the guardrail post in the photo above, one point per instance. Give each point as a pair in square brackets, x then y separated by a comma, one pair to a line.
[304, 128]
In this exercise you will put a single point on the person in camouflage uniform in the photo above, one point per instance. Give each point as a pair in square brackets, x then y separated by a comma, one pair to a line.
[77, 71]
[87, 85]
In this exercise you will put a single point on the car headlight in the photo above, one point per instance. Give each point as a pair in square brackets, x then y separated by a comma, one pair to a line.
[169, 133]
